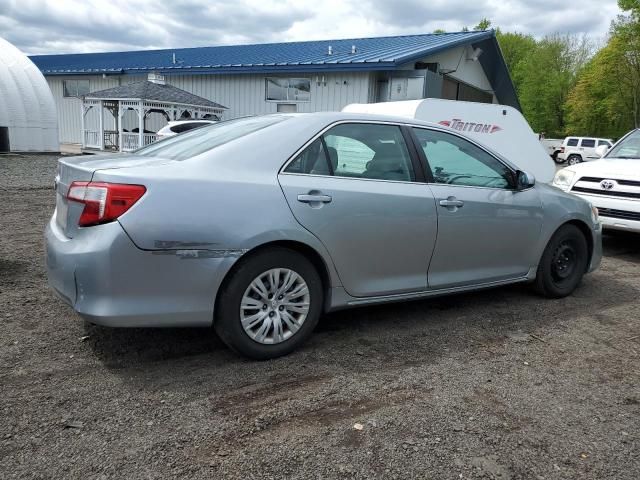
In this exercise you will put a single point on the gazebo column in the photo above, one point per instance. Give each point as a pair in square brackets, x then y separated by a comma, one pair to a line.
[119, 120]
[141, 124]
[101, 125]
[82, 112]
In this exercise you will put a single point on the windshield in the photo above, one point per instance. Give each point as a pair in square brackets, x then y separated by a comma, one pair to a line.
[629, 147]
[203, 139]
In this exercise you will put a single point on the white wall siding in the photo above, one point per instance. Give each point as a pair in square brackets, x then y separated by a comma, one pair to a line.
[245, 94]
[242, 94]
[466, 71]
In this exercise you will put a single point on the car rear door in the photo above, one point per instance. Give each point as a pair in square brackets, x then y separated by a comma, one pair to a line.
[588, 149]
[487, 231]
[357, 189]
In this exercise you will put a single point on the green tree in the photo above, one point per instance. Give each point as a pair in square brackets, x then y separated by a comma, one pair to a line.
[544, 78]
[484, 24]
[606, 98]
[516, 47]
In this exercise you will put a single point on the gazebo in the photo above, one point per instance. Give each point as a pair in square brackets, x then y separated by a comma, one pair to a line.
[140, 100]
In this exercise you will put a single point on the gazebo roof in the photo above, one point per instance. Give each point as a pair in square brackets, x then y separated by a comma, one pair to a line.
[146, 90]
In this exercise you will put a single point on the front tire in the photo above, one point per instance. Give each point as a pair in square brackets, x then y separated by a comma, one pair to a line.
[574, 159]
[270, 304]
[563, 263]
[555, 158]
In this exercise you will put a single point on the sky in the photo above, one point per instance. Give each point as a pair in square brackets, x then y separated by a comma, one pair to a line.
[71, 26]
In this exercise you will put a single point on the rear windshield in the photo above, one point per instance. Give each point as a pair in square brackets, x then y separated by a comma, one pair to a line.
[200, 140]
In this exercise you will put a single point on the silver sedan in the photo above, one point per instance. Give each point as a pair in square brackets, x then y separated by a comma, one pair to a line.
[258, 226]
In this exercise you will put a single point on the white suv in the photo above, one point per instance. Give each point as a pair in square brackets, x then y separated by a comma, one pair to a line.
[179, 126]
[581, 149]
[611, 184]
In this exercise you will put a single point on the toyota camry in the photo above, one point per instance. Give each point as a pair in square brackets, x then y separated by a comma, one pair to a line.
[258, 226]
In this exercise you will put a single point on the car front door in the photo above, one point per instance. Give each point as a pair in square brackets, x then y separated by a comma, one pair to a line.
[357, 189]
[487, 230]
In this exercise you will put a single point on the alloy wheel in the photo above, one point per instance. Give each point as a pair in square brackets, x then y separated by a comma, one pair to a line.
[274, 306]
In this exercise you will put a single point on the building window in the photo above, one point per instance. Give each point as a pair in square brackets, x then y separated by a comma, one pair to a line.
[288, 89]
[75, 88]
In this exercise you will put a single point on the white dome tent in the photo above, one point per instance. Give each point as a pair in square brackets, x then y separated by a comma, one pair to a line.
[28, 118]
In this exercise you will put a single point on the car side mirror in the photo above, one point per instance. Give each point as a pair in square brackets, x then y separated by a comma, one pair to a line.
[524, 180]
[602, 150]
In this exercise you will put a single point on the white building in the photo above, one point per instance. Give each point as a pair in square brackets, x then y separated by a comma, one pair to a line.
[28, 121]
[292, 77]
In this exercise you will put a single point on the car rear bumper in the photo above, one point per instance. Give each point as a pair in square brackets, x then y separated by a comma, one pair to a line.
[111, 282]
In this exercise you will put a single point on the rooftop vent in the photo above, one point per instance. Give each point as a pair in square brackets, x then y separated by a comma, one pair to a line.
[354, 50]
[329, 50]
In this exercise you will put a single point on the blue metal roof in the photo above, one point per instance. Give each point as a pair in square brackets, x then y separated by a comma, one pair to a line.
[378, 53]
[381, 53]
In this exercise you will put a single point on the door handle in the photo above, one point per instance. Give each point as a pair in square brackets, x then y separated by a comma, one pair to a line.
[313, 198]
[451, 202]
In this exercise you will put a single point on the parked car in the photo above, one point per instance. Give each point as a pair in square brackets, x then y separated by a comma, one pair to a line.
[612, 183]
[581, 149]
[180, 126]
[553, 146]
[259, 225]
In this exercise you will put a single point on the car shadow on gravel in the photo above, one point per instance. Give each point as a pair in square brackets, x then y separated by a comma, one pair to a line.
[392, 336]
[622, 245]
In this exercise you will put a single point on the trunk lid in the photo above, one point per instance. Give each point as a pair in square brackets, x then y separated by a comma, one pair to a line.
[81, 169]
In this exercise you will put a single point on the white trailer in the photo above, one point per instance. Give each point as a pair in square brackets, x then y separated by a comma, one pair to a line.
[500, 128]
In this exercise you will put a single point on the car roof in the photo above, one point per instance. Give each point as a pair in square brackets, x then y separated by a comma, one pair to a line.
[331, 117]
[191, 120]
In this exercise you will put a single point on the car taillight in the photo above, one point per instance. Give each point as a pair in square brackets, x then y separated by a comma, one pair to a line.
[103, 202]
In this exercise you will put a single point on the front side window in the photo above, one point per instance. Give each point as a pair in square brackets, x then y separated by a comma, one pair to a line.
[455, 161]
[604, 142]
[288, 89]
[75, 88]
[572, 142]
[357, 150]
[588, 142]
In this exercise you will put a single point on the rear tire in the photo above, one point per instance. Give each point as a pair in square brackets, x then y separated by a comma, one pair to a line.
[574, 159]
[276, 317]
[563, 263]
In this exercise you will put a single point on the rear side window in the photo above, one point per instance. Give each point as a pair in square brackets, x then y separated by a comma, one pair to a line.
[588, 142]
[357, 150]
[200, 140]
[313, 161]
[364, 150]
[572, 142]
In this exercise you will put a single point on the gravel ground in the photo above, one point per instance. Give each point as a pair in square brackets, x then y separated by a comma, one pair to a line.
[500, 384]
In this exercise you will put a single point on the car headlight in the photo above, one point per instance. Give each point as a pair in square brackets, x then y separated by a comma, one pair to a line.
[563, 179]
[594, 215]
